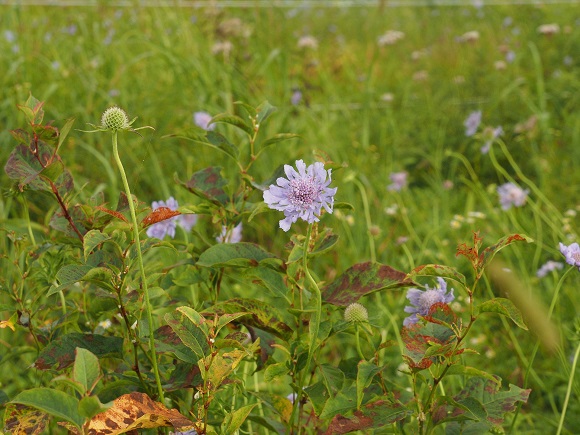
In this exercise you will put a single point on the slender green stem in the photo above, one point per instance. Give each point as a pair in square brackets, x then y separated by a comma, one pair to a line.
[367, 213]
[314, 322]
[569, 390]
[358, 347]
[148, 308]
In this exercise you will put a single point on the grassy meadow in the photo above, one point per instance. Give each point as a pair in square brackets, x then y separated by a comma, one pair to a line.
[372, 102]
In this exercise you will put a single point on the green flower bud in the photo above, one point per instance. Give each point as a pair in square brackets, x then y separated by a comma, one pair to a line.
[114, 119]
[356, 313]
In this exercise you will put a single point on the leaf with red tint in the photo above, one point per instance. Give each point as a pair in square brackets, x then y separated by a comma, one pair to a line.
[112, 213]
[21, 419]
[208, 184]
[158, 215]
[362, 279]
[372, 416]
[489, 252]
[471, 252]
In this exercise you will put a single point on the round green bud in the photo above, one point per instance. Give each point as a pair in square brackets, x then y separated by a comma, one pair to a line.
[356, 313]
[115, 118]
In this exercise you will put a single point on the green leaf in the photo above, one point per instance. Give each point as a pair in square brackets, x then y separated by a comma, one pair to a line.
[90, 406]
[438, 270]
[166, 340]
[263, 111]
[340, 403]
[91, 240]
[235, 419]
[459, 369]
[366, 371]
[318, 395]
[270, 279]
[505, 307]
[53, 402]
[324, 243]
[233, 254]
[189, 332]
[86, 369]
[211, 139]
[226, 319]
[274, 371]
[208, 184]
[62, 350]
[234, 120]
[362, 279]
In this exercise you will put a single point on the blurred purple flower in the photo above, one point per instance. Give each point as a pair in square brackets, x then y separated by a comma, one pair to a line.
[472, 122]
[423, 300]
[490, 134]
[572, 253]
[232, 236]
[202, 119]
[9, 35]
[398, 181]
[302, 194]
[296, 97]
[511, 195]
[510, 56]
[548, 267]
[167, 227]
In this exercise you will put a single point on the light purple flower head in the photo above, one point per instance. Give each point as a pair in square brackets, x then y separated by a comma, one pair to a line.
[167, 227]
[398, 181]
[423, 300]
[548, 267]
[472, 122]
[572, 254]
[490, 134]
[510, 194]
[232, 236]
[302, 194]
[296, 97]
[202, 119]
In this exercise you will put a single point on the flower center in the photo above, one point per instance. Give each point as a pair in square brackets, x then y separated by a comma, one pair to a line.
[576, 257]
[303, 191]
[427, 299]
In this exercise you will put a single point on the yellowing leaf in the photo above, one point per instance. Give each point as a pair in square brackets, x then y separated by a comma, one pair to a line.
[24, 420]
[136, 411]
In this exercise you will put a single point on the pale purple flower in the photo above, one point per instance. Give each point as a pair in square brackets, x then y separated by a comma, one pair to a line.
[302, 194]
[491, 134]
[548, 267]
[572, 253]
[234, 235]
[472, 122]
[202, 119]
[167, 227]
[423, 300]
[296, 97]
[511, 195]
[510, 56]
[398, 181]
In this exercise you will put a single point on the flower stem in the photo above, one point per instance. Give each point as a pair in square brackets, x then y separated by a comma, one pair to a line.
[314, 321]
[569, 390]
[148, 308]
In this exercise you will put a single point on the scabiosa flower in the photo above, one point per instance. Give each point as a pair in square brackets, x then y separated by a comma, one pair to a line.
[356, 312]
[202, 119]
[232, 236]
[423, 300]
[398, 181]
[572, 253]
[472, 122]
[303, 194]
[548, 267]
[510, 194]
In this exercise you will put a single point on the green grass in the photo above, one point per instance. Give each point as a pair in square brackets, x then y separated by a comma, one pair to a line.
[159, 66]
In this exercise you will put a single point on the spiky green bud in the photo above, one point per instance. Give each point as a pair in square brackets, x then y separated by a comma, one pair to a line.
[114, 119]
[356, 313]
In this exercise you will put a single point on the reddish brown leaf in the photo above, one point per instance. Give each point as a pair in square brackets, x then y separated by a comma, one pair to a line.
[23, 420]
[112, 213]
[158, 215]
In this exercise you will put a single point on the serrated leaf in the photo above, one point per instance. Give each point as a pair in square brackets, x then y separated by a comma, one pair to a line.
[505, 307]
[86, 369]
[91, 240]
[241, 254]
[53, 402]
[62, 350]
[362, 279]
[489, 252]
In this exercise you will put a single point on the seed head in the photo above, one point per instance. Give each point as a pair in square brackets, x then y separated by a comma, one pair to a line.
[114, 119]
[356, 312]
